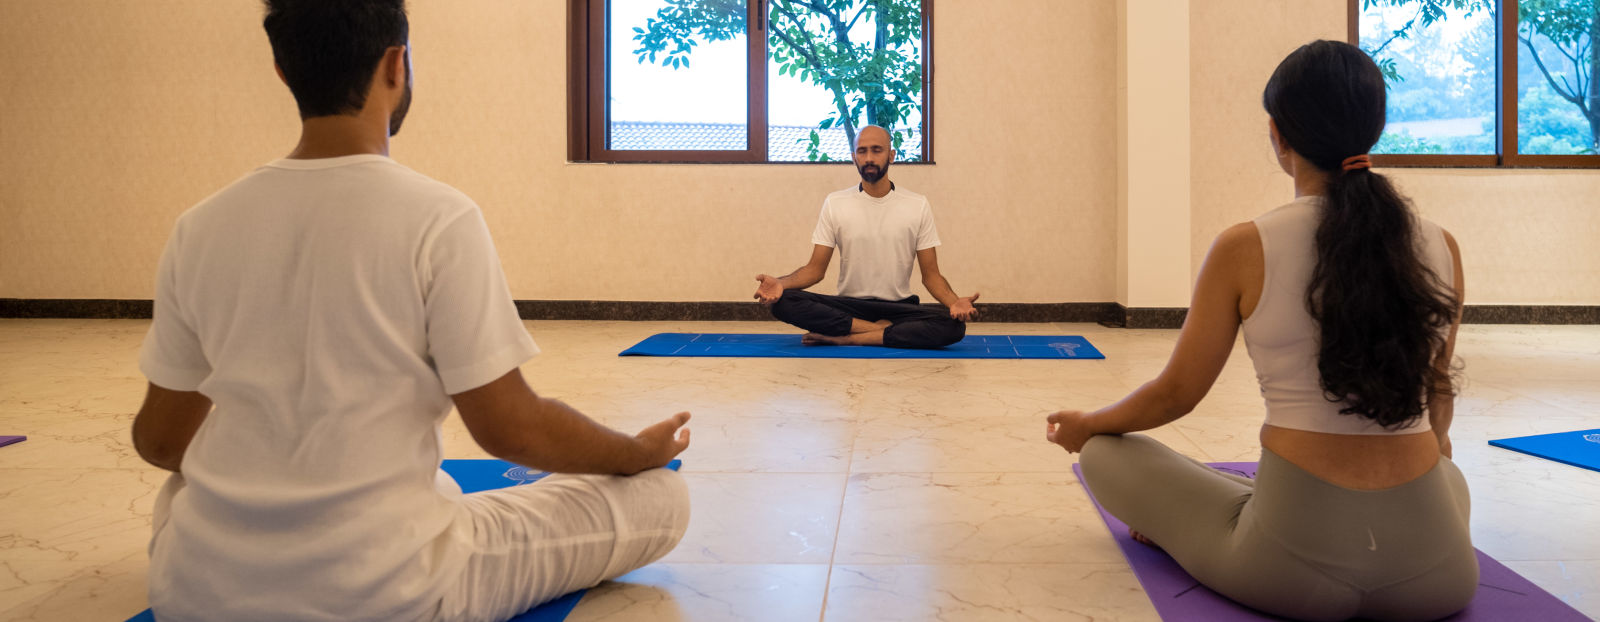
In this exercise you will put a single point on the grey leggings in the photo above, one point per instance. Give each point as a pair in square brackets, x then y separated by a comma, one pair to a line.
[1289, 543]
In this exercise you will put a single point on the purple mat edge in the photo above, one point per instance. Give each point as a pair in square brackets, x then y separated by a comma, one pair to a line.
[1158, 573]
[11, 440]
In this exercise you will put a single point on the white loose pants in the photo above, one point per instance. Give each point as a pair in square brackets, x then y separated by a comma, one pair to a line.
[533, 543]
[564, 533]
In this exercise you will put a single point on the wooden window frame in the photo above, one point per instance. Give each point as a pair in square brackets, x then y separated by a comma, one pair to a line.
[587, 131]
[1505, 110]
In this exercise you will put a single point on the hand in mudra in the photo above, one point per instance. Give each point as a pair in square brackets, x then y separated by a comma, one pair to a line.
[1067, 428]
[963, 309]
[769, 290]
[665, 440]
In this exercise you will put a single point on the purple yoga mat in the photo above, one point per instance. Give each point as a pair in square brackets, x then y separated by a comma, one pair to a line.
[7, 440]
[1502, 594]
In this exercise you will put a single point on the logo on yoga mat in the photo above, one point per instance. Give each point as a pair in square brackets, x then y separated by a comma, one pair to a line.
[1069, 349]
[524, 475]
[1593, 438]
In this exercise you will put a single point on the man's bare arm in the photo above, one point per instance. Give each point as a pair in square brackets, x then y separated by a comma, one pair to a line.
[771, 288]
[960, 308]
[512, 423]
[166, 424]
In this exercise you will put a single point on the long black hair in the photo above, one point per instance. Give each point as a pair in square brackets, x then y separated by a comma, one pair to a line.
[1381, 311]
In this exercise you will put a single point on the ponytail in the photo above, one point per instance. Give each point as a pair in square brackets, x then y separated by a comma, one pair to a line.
[1381, 311]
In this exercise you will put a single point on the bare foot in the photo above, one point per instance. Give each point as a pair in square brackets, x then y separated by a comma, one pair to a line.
[863, 326]
[1141, 539]
[819, 339]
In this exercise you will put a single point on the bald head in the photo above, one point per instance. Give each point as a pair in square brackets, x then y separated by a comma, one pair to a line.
[873, 153]
[872, 135]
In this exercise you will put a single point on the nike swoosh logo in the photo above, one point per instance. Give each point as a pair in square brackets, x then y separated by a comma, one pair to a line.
[1374, 545]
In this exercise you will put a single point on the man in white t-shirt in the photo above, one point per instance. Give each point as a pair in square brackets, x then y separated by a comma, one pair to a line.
[332, 305]
[878, 230]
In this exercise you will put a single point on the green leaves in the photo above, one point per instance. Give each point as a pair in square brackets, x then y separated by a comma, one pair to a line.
[867, 53]
[1558, 110]
[1564, 22]
[682, 23]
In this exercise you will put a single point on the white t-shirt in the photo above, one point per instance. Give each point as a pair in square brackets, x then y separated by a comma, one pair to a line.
[328, 308]
[877, 240]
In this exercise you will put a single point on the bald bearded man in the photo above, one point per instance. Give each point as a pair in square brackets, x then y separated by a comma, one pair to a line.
[878, 230]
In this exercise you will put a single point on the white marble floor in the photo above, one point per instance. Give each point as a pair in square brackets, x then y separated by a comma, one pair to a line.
[822, 489]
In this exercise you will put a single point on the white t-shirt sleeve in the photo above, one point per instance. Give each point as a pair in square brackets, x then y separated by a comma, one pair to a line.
[827, 232]
[927, 233]
[474, 333]
[171, 356]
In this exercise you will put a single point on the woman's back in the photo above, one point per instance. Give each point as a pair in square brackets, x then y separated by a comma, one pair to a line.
[1302, 425]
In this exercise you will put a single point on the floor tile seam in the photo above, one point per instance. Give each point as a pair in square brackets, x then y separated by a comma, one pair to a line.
[1067, 470]
[838, 523]
[688, 562]
[78, 469]
[1566, 411]
[690, 470]
[1123, 564]
[60, 413]
[84, 373]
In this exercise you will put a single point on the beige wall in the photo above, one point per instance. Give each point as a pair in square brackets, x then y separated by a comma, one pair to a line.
[118, 115]
[1153, 153]
[1527, 237]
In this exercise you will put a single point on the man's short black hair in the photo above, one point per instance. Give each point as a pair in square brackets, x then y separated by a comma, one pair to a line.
[328, 49]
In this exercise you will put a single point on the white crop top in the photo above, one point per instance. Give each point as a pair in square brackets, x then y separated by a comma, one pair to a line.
[1283, 339]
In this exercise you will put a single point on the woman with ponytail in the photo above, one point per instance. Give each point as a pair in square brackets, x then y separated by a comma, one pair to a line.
[1349, 304]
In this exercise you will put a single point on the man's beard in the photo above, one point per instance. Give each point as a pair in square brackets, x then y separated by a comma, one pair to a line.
[399, 115]
[875, 175]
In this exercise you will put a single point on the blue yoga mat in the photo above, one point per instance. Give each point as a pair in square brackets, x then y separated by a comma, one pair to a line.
[477, 475]
[789, 346]
[1580, 448]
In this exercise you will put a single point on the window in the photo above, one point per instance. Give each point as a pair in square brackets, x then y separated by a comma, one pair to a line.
[687, 81]
[1485, 82]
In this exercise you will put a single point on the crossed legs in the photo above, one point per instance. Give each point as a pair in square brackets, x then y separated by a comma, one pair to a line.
[837, 320]
[536, 542]
[1288, 543]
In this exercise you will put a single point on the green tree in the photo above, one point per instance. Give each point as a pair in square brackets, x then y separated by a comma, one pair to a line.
[1571, 28]
[1568, 28]
[1427, 13]
[876, 82]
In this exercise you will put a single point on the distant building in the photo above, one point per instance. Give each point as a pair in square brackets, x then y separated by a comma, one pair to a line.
[785, 143]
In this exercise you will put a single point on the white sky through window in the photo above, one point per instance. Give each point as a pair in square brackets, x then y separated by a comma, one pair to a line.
[704, 92]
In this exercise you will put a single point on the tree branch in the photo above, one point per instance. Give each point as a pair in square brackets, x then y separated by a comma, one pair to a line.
[857, 18]
[841, 32]
[880, 42]
[1400, 34]
[817, 65]
[811, 58]
[1528, 41]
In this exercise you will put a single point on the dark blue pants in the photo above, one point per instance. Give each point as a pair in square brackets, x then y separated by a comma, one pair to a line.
[913, 325]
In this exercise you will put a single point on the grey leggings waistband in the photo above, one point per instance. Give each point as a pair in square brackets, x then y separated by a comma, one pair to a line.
[1289, 543]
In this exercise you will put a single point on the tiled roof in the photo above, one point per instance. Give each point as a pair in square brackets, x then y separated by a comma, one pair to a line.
[785, 143]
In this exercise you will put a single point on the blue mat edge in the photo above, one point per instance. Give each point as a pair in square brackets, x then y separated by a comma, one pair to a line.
[1510, 444]
[634, 350]
[551, 611]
